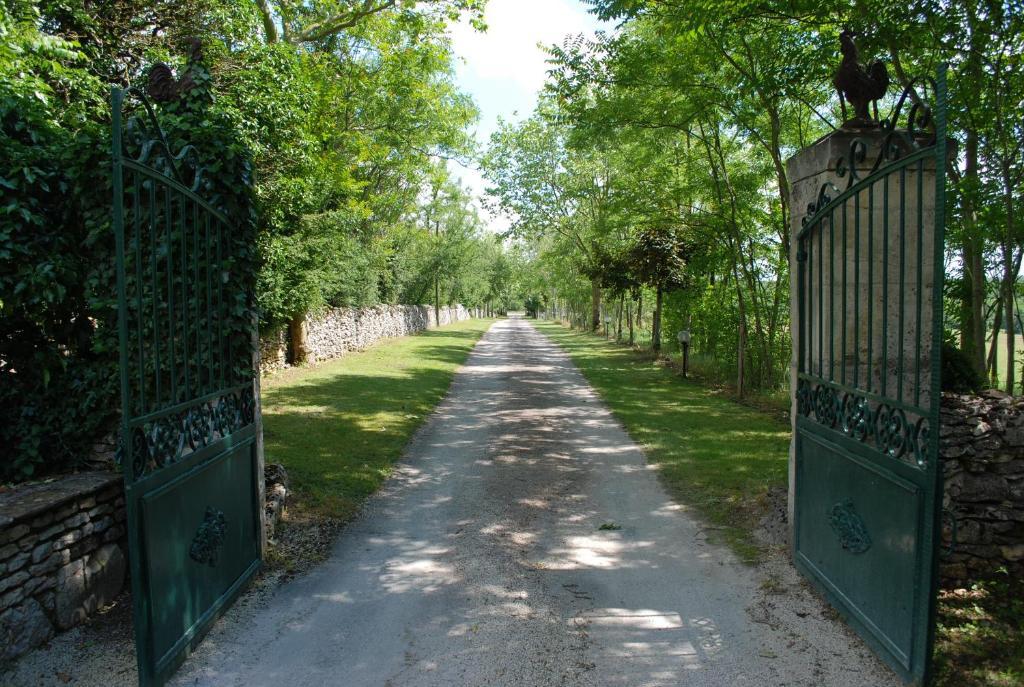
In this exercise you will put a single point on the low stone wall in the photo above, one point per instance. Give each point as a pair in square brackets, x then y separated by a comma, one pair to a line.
[62, 556]
[64, 552]
[337, 331]
[273, 350]
[982, 448]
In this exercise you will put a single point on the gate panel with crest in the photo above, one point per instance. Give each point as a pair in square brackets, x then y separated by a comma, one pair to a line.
[190, 416]
[867, 497]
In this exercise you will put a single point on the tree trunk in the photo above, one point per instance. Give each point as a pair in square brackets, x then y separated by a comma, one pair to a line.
[595, 305]
[297, 336]
[640, 311]
[629, 321]
[618, 326]
[972, 333]
[741, 355]
[1011, 334]
[656, 323]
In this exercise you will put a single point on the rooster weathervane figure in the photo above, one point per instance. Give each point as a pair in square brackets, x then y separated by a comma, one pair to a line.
[861, 86]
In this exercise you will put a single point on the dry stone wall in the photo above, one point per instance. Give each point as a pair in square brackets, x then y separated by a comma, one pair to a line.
[62, 556]
[64, 552]
[337, 331]
[982, 449]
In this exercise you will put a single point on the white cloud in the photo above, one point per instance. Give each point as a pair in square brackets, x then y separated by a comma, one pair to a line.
[508, 51]
[504, 68]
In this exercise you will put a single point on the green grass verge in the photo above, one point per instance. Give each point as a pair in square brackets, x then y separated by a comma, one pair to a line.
[716, 455]
[338, 427]
[979, 641]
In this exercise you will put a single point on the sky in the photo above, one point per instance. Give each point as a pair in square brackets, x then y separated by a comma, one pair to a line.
[503, 69]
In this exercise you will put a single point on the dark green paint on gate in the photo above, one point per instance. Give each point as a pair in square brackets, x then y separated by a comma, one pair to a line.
[190, 420]
[869, 295]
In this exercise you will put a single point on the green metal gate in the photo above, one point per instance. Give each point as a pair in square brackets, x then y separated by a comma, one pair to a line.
[190, 412]
[868, 481]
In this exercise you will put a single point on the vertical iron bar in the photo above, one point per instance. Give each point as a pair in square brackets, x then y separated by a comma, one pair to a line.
[920, 281]
[903, 300]
[885, 287]
[831, 296]
[169, 242]
[801, 308]
[821, 300]
[197, 286]
[185, 305]
[140, 313]
[846, 288]
[208, 259]
[871, 281]
[809, 267]
[220, 302]
[154, 283]
[902, 231]
[856, 290]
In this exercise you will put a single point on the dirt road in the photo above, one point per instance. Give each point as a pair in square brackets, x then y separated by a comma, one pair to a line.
[524, 541]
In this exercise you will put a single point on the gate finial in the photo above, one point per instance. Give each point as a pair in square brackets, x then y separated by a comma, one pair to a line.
[859, 84]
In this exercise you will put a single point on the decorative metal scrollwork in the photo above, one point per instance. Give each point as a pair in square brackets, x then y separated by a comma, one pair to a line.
[167, 439]
[209, 538]
[916, 133]
[145, 135]
[849, 527]
[853, 415]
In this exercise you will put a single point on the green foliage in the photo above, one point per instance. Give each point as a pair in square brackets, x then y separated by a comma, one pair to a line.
[322, 147]
[958, 374]
[54, 349]
[58, 335]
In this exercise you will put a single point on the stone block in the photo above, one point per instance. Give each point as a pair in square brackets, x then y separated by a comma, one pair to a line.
[1014, 552]
[86, 503]
[102, 525]
[13, 533]
[42, 551]
[23, 628]
[48, 565]
[8, 551]
[27, 542]
[12, 581]
[86, 546]
[11, 597]
[975, 487]
[51, 532]
[68, 538]
[17, 563]
[85, 585]
[100, 510]
[76, 520]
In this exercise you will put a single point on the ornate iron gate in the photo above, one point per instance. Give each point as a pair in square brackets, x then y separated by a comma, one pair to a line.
[190, 413]
[867, 475]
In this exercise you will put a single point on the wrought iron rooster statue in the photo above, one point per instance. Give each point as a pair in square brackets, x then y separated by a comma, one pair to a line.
[163, 87]
[859, 85]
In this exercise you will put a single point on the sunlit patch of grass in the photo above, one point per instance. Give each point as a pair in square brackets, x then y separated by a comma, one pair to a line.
[338, 427]
[979, 639]
[714, 454]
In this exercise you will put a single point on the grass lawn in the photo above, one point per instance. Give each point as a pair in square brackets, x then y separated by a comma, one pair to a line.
[339, 426]
[714, 454]
[979, 642]
[1001, 367]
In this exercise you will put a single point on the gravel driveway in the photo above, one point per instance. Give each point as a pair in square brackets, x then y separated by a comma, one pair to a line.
[484, 562]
